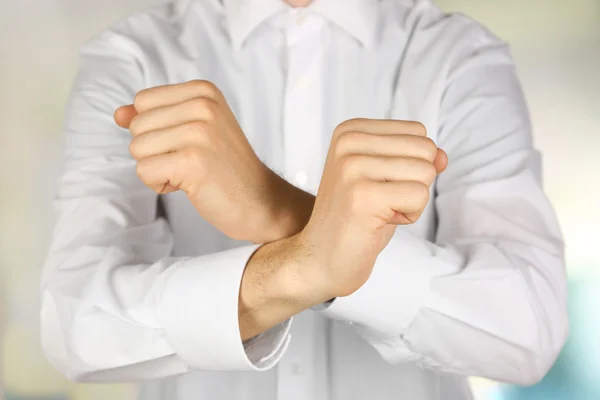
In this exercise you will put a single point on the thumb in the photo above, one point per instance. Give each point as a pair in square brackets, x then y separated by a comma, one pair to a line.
[124, 115]
[441, 161]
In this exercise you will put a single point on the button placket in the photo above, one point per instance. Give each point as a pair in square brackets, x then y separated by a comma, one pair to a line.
[301, 126]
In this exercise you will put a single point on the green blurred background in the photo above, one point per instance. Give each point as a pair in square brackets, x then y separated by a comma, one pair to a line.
[557, 47]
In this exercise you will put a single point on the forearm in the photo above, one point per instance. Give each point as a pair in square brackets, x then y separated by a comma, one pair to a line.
[278, 283]
[270, 289]
[420, 291]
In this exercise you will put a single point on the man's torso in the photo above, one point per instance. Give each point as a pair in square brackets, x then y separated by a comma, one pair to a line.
[288, 98]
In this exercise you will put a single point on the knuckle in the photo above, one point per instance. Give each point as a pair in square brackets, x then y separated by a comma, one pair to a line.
[345, 141]
[135, 127]
[205, 87]
[347, 125]
[419, 127]
[141, 99]
[430, 148]
[349, 165]
[339, 150]
[135, 148]
[421, 194]
[430, 172]
[198, 102]
[356, 121]
[338, 131]
[423, 170]
[208, 107]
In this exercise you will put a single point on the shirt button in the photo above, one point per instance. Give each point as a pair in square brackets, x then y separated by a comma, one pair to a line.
[303, 83]
[297, 369]
[300, 18]
[301, 178]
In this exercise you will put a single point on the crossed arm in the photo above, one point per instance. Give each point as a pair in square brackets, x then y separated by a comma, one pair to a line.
[488, 298]
[377, 175]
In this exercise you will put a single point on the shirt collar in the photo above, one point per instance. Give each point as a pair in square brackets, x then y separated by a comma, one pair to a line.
[356, 17]
[243, 16]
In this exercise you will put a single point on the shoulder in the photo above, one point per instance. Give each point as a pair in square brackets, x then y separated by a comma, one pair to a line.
[150, 35]
[423, 25]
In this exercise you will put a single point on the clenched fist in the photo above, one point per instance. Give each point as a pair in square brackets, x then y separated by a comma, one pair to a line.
[377, 175]
[185, 137]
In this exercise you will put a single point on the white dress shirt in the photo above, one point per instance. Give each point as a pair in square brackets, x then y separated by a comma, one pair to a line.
[139, 287]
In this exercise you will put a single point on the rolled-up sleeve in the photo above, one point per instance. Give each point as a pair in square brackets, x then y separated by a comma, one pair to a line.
[115, 305]
[488, 298]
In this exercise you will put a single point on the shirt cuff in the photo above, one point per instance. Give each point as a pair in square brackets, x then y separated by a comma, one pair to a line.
[265, 350]
[199, 312]
[397, 288]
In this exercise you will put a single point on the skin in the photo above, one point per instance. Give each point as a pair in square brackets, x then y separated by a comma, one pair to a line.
[299, 3]
[377, 176]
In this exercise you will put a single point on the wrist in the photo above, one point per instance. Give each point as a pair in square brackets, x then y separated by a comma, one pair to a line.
[294, 212]
[290, 208]
[284, 272]
[274, 288]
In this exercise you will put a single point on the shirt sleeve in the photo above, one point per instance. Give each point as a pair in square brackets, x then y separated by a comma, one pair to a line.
[115, 305]
[488, 298]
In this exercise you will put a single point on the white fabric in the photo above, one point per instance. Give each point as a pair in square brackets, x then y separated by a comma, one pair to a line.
[476, 287]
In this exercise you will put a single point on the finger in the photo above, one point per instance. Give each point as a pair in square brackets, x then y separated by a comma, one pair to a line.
[163, 189]
[168, 139]
[386, 200]
[123, 115]
[441, 161]
[407, 200]
[196, 109]
[168, 188]
[159, 172]
[385, 145]
[405, 219]
[389, 169]
[166, 95]
[382, 126]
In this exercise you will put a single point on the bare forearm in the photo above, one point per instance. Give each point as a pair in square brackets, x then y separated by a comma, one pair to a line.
[336, 238]
[278, 283]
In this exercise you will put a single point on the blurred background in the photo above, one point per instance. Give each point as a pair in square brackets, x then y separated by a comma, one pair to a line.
[557, 47]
